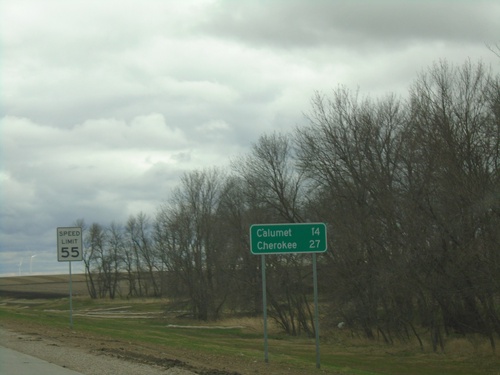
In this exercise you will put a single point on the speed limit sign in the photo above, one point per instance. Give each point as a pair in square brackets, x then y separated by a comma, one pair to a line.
[69, 244]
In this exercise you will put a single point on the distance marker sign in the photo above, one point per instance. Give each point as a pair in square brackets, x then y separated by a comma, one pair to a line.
[69, 244]
[288, 238]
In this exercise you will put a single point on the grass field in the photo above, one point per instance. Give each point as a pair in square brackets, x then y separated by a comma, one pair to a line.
[144, 321]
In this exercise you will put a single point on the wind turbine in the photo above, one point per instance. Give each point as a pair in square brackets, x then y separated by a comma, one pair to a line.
[31, 262]
[20, 265]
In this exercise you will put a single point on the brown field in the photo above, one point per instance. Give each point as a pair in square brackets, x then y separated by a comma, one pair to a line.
[143, 331]
[42, 286]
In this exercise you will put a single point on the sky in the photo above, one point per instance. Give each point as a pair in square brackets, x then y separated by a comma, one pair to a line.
[104, 105]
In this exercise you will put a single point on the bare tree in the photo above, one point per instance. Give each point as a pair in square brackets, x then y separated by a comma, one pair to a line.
[412, 190]
[94, 257]
[270, 175]
[196, 247]
[145, 257]
[88, 256]
[495, 48]
[275, 187]
[114, 260]
[351, 154]
[456, 127]
[236, 213]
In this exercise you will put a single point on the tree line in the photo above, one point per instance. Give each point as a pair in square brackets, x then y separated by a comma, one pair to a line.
[409, 189]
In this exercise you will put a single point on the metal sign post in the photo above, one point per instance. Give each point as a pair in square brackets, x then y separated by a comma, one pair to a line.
[70, 299]
[69, 249]
[316, 310]
[264, 303]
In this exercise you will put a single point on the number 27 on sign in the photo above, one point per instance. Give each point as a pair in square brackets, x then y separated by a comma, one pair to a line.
[314, 244]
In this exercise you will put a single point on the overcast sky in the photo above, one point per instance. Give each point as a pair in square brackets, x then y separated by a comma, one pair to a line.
[105, 104]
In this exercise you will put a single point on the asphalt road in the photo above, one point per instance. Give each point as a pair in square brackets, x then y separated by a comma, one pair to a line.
[16, 363]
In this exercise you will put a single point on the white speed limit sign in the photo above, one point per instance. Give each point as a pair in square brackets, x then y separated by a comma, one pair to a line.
[69, 244]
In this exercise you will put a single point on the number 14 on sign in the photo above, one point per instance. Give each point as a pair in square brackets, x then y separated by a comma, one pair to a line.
[314, 244]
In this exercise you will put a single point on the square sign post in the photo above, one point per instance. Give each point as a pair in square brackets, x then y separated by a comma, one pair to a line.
[69, 249]
[289, 238]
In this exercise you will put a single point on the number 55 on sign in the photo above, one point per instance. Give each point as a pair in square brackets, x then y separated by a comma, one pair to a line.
[69, 244]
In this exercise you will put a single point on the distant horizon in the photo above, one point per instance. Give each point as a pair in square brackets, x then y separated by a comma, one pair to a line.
[45, 263]
[2, 276]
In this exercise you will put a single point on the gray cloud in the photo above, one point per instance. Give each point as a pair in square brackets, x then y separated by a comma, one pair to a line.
[105, 105]
[306, 24]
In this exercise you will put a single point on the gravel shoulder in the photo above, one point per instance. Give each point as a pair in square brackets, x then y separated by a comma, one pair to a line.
[83, 359]
[92, 354]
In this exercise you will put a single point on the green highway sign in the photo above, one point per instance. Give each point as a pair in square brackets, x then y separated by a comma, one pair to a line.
[288, 238]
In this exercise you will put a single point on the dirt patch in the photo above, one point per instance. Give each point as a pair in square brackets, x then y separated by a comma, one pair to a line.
[146, 354]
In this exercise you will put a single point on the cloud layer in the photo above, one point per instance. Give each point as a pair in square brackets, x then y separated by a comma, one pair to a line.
[105, 104]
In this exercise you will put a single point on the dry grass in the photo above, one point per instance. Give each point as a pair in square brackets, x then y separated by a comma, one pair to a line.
[478, 345]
